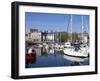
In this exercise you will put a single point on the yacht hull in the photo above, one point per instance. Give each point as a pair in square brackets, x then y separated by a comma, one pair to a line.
[76, 53]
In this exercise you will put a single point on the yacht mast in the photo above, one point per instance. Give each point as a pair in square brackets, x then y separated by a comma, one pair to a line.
[82, 29]
[71, 27]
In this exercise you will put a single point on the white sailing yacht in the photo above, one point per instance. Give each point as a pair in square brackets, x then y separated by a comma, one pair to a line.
[70, 50]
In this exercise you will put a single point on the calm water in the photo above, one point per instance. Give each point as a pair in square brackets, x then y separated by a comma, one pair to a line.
[53, 58]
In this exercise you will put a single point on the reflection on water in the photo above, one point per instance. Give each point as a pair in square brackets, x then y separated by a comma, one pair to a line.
[50, 57]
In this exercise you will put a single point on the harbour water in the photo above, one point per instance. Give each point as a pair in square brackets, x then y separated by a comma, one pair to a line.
[51, 57]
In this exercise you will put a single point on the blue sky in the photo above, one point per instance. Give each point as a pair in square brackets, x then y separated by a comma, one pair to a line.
[55, 22]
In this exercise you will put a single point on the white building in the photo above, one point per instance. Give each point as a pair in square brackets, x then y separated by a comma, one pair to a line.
[33, 36]
[50, 37]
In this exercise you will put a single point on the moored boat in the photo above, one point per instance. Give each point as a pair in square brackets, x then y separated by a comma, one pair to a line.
[76, 50]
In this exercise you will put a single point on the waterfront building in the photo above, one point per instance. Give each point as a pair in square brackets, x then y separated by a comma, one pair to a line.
[47, 36]
[33, 30]
[50, 37]
[26, 36]
[35, 36]
[44, 36]
[56, 36]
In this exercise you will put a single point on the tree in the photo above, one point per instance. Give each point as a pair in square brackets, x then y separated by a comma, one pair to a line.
[75, 36]
[63, 36]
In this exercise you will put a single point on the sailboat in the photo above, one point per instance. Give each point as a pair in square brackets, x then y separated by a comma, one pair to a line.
[70, 50]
